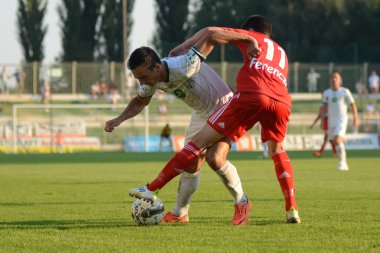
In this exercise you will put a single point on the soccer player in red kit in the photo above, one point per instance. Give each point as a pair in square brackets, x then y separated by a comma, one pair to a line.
[261, 96]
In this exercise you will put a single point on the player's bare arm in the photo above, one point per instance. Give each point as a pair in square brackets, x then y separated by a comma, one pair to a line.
[184, 47]
[355, 115]
[136, 105]
[219, 36]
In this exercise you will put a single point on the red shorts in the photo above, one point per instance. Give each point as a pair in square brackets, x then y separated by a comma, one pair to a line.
[244, 110]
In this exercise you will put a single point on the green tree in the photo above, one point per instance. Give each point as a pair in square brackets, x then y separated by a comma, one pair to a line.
[226, 14]
[78, 26]
[31, 30]
[172, 24]
[111, 29]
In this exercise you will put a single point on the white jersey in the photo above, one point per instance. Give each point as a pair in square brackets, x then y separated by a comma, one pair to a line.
[193, 82]
[337, 102]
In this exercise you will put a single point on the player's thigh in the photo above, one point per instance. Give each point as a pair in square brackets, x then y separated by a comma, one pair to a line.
[238, 115]
[338, 131]
[274, 121]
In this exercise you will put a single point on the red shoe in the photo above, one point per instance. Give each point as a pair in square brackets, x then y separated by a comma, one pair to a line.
[317, 154]
[171, 218]
[241, 213]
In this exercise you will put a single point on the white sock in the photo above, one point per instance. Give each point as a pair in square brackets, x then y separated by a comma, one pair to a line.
[188, 184]
[341, 150]
[231, 181]
[265, 149]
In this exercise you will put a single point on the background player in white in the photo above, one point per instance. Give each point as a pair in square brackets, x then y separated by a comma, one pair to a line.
[335, 101]
[202, 89]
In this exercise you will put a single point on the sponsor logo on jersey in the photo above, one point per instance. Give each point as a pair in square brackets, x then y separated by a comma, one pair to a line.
[221, 124]
[179, 93]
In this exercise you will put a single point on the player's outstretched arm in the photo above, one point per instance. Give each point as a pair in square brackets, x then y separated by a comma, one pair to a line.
[220, 36]
[134, 107]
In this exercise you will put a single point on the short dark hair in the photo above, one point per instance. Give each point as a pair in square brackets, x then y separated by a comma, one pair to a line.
[143, 55]
[259, 24]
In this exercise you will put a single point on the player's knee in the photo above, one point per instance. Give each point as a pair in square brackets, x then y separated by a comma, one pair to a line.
[215, 160]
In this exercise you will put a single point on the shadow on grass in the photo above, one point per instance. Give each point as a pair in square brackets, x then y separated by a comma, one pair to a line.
[64, 224]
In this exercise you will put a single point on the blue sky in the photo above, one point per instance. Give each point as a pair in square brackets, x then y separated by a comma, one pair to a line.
[10, 50]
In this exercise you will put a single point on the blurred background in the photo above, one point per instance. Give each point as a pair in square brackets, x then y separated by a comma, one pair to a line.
[63, 75]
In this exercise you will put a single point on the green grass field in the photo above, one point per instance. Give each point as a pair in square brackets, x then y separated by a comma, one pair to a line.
[79, 203]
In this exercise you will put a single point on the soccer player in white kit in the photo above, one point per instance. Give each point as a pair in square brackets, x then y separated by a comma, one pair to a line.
[200, 87]
[335, 101]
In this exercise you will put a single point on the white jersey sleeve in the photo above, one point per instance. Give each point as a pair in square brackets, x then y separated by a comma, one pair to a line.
[146, 91]
[188, 64]
[349, 98]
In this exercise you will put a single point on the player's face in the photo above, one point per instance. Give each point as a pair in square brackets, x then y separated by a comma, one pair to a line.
[145, 75]
[336, 81]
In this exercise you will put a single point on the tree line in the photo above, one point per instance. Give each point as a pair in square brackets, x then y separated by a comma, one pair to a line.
[309, 31]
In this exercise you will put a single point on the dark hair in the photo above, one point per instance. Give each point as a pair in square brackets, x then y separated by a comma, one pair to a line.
[143, 55]
[259, 24]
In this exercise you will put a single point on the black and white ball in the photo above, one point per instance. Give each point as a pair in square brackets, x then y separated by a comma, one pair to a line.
[147, 213]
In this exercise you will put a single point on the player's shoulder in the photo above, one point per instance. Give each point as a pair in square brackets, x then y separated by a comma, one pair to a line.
[327, 91]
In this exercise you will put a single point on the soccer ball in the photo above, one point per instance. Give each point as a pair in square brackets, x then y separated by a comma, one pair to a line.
[146, 213]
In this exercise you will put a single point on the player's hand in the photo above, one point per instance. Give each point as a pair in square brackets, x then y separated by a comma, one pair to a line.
[253, 49]
[111, 124]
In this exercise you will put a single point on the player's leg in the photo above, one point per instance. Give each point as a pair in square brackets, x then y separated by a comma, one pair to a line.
[338, 132]
[333, 147]
[341, 152]
[183, 161]
[285, 177]
[274, 123]
[188, 185]
[216, 157]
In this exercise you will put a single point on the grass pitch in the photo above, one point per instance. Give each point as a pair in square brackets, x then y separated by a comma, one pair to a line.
[79, 203]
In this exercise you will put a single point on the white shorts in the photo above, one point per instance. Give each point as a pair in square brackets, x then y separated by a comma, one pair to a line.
[195, 126]
[337, 130]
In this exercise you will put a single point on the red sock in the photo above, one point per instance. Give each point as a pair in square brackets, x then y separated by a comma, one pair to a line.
[333, 147]
[323, 144]
[179, 163]
[284, 171]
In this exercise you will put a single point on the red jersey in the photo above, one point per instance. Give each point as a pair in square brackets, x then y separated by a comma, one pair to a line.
[266, 74]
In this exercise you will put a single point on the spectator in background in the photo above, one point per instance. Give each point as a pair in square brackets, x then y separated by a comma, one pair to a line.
[19, 76]
[114, 93]
[45, 94]
[95, 90]
[373, 81]
[166, 133]
[4, 81]
[130, 82]
[59, 141]
[312, 80]
[361, 89]
[104, 90]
